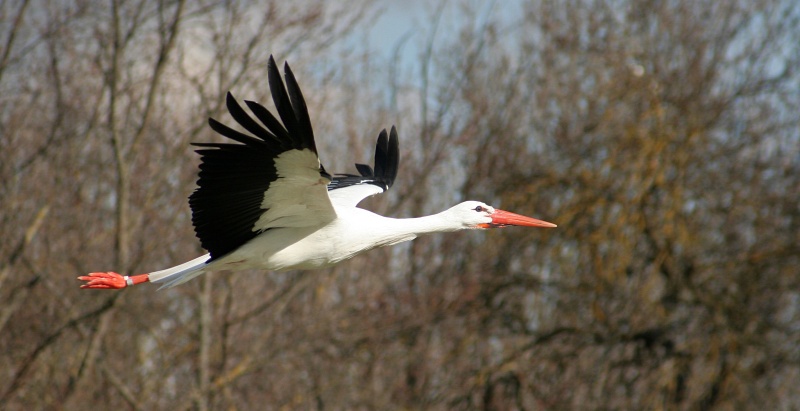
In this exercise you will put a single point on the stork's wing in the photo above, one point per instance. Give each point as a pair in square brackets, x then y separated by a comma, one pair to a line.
[272, 179]
[350, 189]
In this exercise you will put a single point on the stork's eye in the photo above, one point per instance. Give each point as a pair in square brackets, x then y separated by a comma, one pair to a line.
[479, 209]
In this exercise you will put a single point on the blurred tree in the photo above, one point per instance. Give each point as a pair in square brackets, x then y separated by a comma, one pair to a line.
[664, 137]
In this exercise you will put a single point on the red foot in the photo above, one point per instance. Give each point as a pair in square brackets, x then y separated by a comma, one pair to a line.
[111, 280]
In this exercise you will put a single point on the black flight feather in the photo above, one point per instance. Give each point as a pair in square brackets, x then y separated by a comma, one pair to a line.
[271, 122]
[364, 170]
[241, 117]
[387, 159]
[304, 129]
[233, 177]
[281, 99]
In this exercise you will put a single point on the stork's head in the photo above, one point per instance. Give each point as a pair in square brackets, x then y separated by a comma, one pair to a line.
[475, 214]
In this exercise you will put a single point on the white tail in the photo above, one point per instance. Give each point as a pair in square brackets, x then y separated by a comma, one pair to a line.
[180, 273]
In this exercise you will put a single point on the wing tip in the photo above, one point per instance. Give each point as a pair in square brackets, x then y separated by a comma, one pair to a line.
[391, 155]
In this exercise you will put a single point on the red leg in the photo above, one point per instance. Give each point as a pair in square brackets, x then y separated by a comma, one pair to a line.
[111, 280]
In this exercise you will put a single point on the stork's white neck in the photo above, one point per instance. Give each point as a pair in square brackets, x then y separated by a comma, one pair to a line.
[382, 231]
[435, 223]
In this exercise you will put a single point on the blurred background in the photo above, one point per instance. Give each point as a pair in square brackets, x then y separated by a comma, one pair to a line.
[661, 136]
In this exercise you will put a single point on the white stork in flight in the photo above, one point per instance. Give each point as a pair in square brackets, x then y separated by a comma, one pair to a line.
[268, 203]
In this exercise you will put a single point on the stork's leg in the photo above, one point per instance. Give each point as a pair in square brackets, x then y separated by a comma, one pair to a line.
[112, 280]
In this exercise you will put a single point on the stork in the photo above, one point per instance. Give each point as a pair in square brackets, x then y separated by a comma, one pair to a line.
[265, 201]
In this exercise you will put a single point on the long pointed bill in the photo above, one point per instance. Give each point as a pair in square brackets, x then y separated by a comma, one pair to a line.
[501, 218]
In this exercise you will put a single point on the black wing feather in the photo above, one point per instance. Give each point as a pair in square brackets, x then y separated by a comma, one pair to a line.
[241, 117]
[234, 177]
[272, 123]
[387, 160]
[381, 153]
[301, 111]
[281, 99]
[231, 134]
[392, 158]
[364, 169]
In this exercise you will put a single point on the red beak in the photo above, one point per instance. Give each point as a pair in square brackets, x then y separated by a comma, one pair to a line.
[502, 218]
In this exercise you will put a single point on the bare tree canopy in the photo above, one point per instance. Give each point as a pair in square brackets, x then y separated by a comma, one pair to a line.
[662, 137]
